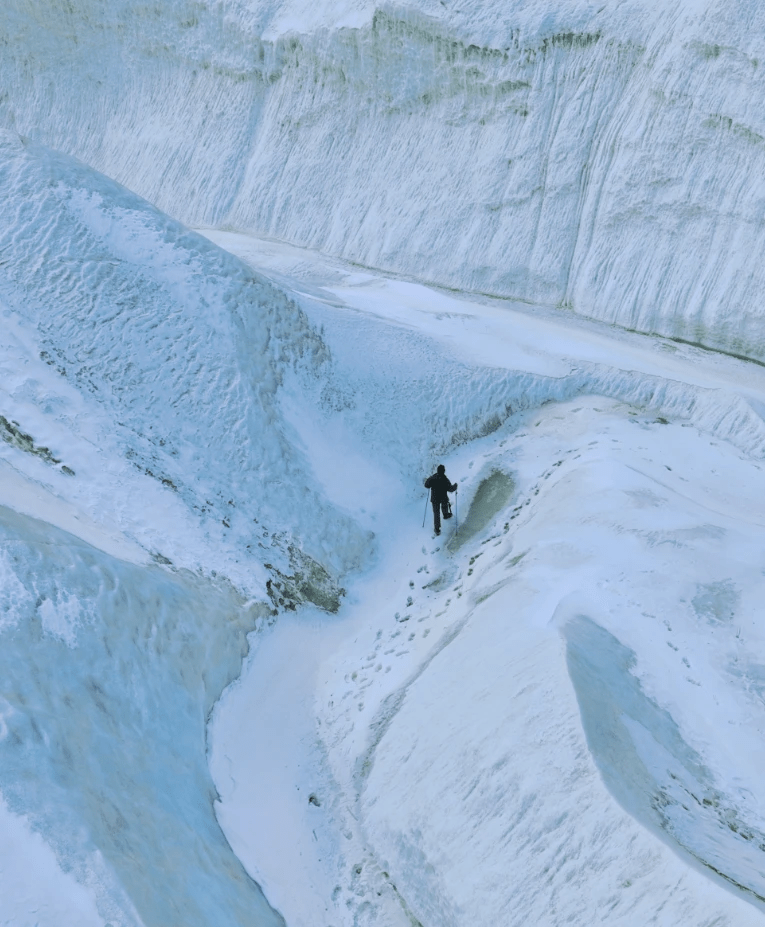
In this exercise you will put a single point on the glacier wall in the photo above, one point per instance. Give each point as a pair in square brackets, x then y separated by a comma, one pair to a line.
[607, 158]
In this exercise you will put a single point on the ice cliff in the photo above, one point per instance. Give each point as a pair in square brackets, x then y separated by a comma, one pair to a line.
[603, 157]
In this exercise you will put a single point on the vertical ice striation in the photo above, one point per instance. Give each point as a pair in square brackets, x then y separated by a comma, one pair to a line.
[603, 157]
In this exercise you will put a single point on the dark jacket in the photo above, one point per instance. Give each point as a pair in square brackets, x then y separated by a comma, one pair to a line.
[439, 486]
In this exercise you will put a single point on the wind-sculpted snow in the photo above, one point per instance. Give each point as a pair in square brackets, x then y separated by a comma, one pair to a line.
[180, 347]
[604, 158]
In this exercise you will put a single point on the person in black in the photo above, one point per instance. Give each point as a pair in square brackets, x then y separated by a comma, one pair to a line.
[439, 486]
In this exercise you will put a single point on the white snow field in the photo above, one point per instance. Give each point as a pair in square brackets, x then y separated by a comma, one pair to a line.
[262, 267]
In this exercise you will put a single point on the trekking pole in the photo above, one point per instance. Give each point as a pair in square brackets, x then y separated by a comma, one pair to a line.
[456, 510]
[425, 514]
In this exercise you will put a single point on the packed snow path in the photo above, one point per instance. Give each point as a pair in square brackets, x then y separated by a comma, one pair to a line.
[555, 714]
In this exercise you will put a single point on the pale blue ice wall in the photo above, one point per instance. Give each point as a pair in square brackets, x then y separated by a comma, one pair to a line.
[607, 157]
[109, 673]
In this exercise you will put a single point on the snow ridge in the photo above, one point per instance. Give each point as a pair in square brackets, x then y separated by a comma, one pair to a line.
[179, 346]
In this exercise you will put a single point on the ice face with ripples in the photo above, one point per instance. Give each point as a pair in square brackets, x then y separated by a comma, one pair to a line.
[109, 672]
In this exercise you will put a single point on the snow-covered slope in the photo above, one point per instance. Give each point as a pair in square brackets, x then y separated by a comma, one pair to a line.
[604, 157]
[140, 422]
[179, 349]
[552, 716]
